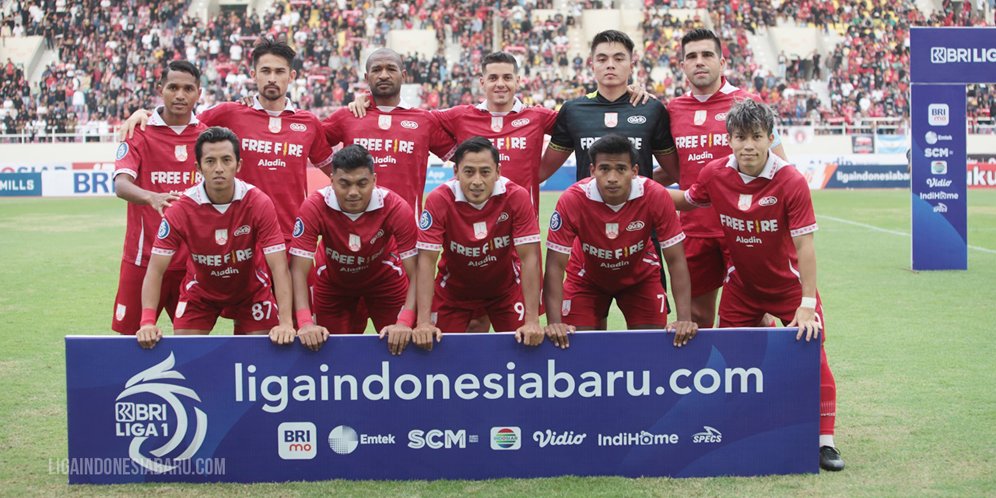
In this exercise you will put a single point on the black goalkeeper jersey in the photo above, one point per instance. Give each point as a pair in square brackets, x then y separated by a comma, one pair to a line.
[585, 119]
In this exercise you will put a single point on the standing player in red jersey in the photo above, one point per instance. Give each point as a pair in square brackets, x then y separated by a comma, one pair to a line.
[475, 220]
[766, 212]
[221, 221]
[698, 123]
[609, 217]
[368, 235]
[150, 170]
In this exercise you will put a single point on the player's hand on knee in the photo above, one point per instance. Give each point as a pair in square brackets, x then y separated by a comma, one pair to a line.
[282, 334]
[148, 336]
[530, 334]
[808, 323]
[423, 336]
[398, 337]
[684, 331]
[557, 332]
[313, 336]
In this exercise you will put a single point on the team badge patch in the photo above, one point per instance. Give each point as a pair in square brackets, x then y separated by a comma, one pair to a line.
[555, 221]
[480, 230]
[744, 203]
[700, 117]
[354, 242]
[384, 122]
[497, 123]
[180, 153]
[122, 151]
[611, 119]
[425, 221]
[612, 230]
[221, 236]
[275, 125]
[120, 312]
[163, 229]
[298, 228]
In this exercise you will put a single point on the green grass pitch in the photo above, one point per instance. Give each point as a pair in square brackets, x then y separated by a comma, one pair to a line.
[913, 354]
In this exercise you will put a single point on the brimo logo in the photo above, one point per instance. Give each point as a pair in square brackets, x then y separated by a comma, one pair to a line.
[142, 421]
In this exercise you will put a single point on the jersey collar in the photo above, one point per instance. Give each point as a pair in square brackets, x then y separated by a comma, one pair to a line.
[726, 89]
[516, 107]
[199, 194]
[454, 185]
[157, 120]
[635, 191]
[376, 199]
[598, 96]
[771, 167]
[402, 104]
[288, 105]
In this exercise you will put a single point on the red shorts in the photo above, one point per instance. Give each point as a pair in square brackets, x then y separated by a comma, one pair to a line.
[507, 311]
[741, 308]
[128, 303]
[707, 263]
[345, 311]
[642, 304]
[251, 314]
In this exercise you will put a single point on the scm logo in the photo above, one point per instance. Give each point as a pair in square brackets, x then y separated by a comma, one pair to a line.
[437, 438]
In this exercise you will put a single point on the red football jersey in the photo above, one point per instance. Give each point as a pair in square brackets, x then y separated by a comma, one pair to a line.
[160, 159]
[399, 141]
[275, 152]
[518, 136]
[359, 248]
[479, 259]
[699, 129]
[759, 217]
[222, 240]
[615, 245]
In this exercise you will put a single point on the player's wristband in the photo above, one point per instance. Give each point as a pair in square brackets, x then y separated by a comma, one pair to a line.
[407, 317]
[148, 317]
[303, 316]
[808, 302]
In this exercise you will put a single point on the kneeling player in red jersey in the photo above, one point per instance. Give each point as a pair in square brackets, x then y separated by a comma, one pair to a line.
[368, 235]
[486, 229]
[600, 235]
[766, 212]
[221, 221]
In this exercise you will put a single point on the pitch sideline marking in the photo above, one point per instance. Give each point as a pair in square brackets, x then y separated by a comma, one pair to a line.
[893, 232]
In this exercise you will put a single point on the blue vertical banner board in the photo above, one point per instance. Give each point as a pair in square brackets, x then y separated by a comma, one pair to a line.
[238, 409]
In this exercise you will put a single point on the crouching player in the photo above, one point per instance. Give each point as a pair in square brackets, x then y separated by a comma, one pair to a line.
[766, 213]
[221, 221]
[600, 235]
[368, 235]
[486, 229]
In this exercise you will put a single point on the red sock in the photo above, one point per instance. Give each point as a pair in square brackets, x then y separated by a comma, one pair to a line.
[828, 396]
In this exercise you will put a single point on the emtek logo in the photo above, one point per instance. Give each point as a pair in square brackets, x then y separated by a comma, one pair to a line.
[708, 435]
[938, 115]
[945, 55]
[436, 439]
[296, 440]
[506, 438]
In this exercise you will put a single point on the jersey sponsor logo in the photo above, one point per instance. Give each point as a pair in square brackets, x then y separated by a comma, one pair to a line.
[721, 116]
[612, 230]
[425, 221]
[700, 117]
[635, 225]
[354, 242]
[767, 201]
[555, 221]
[411, 125]
[379, 234]
[298, 228]
[275, 125]
[163, 229]
[242, 230]
[480, 230]
[611, 119]
[750, 226]
[506, 438]
[122, 151]
[502, 217]
[519, 123]
[384, 122]
[221, 236]
[298, 127]
[270, 147]
[744, 202]
[180, 152]
[637, 120]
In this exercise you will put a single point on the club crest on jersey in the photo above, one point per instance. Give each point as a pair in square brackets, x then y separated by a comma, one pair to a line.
[384, 122]
[612, 230]
[425, 221]
[163, 229]
[497, 123]
[221, 236]
[611, 119]
[180, 152]
[298, 228]
[354, 242]
[480, 230]
[120, 312]
[700, 117]
[745, 200]
[275, 124]
[555, 221]
[122, 151]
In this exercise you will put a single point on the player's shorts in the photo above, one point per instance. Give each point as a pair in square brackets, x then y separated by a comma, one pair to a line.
[128, 303]
[707, 262]
[345, 311]
[253, 313]
[586, 305]
[507, 311]
[739, 307]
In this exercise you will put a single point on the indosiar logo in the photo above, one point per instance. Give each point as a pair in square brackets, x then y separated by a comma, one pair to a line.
[506, 438]
[153, 409]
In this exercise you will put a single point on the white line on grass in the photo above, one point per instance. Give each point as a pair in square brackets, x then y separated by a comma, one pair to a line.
[893, 232]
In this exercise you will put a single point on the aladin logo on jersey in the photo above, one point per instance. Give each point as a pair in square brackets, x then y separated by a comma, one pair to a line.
[612, 230]
[354, 242]
[635, 225]
[700, 117]
[221, 236]
[480, 230]
[611, 119]
[275, 125]
[409, 125]
[744, 203]
[180, 152]
[298, 127]
[384, 122]
[152, 410]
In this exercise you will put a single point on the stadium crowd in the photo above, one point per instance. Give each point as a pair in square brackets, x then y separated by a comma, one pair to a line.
[109, 54]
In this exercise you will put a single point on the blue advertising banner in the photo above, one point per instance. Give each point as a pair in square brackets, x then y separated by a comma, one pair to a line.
[20, 184]
[938, 182]
[239, 409]
[953, 55]
[865, 176]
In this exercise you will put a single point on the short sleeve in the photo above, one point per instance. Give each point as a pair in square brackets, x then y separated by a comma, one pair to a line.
[169, 237]
[698, 194]
[549, 120]
[320, 154]
[799, 205]
[662, 141]
[332, 126]
[401, 223]
[215, 115]
[432, 222]
[563, 231]
[666, 223]
[560, 138]
[441, 142]
[128, 158]
[269, 236]
[306, 230]
[525, 227]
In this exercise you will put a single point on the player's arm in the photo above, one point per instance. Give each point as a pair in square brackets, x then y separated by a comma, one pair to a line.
[125, 188]
[400, 334]
[425, 331]
[284, 332]
[312, 336]
[137, 119]
[530, 332]
[684, 327]
[669, 171]
[553, 159]
[148, 333]
[553, 298]
[805, 316]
